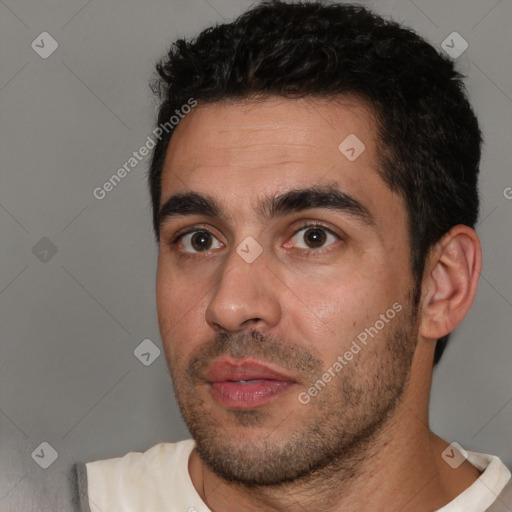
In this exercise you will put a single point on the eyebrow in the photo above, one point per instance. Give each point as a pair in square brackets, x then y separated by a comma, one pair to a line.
[296, 200]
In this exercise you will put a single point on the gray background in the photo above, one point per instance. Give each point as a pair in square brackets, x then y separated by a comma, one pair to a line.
[70, 325]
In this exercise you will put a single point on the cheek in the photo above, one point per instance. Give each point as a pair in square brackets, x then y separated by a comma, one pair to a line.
[330, 313]
[323, 313]
[176, 299]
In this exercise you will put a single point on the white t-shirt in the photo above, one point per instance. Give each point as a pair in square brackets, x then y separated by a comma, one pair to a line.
[158, 481]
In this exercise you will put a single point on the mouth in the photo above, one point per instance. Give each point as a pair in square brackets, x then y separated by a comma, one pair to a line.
[246, 384]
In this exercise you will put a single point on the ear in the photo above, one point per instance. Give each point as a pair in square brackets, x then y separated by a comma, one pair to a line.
[452, 271]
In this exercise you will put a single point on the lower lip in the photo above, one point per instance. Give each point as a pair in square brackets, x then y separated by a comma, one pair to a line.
[237, 395]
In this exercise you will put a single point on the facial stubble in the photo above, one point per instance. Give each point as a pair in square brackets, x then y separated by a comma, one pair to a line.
[333, 433]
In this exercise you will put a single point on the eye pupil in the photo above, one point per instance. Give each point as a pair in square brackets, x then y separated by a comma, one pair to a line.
[201, 241]
[315, 237]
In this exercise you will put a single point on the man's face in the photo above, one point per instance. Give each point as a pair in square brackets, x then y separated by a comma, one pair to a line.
[277, 294]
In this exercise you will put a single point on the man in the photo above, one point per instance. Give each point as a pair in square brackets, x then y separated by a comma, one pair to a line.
[314, 208]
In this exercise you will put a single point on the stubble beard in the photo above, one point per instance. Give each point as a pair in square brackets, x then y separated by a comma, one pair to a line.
[332, 434]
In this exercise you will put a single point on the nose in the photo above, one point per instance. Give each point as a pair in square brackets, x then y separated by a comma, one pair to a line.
[245, 294]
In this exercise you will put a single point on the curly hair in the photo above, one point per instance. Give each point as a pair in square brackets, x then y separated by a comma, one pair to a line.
[429, 138]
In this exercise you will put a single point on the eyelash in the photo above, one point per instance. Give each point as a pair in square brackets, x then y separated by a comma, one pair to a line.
[200, 228]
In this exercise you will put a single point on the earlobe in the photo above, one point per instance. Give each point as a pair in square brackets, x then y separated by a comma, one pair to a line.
[451, 281]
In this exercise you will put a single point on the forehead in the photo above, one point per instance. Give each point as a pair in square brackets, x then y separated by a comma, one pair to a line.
[287, 129]
[237, 151]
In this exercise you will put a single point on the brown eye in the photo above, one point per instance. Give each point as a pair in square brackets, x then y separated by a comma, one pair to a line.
[197, 241]
[313, 237]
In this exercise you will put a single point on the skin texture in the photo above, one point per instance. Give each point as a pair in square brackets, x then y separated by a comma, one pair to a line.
[363, 442]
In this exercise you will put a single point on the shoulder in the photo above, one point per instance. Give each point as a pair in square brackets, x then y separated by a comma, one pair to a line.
[161, 454]
[492, 491]
[123, 483]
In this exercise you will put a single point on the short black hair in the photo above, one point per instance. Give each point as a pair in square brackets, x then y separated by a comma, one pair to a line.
[429, 138]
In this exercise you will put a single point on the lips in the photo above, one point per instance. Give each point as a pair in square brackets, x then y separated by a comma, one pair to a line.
[247, 384]
[246, 370]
